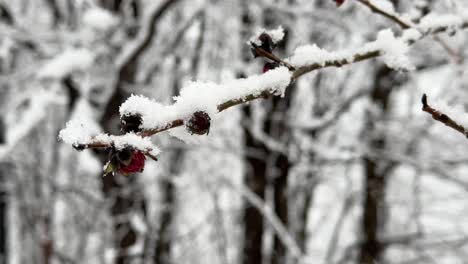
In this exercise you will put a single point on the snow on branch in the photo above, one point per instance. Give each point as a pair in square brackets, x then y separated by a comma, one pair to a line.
[80, 134]
[310, 58]
[142, 117]
[391, 49]
[385, 8]
[276, 36]
[204, 97]
[442, 117]
[207, 97]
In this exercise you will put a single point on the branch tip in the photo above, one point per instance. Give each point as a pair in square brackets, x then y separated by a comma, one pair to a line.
[424, 101]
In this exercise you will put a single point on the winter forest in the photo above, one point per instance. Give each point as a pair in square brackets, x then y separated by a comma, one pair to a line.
[233, 131]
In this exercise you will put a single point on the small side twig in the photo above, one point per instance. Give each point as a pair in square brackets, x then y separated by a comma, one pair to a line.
[441, 117]
[407, 25]
[263, 53]
[379, 11]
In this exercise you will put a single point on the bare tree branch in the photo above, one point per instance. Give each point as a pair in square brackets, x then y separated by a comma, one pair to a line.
[443, 118]
[407, 25]
[377, 10]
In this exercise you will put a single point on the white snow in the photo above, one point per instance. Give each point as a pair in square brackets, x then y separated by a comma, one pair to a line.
[313, 54]
[204, 96]
[432, 21]
[67, 62]
[411, 35]
[99, 19]
[197, 96]
[78, 131]
[276, 35]
[393, 52]
[129, 140]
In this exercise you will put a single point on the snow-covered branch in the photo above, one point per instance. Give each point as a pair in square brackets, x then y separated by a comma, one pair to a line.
[200, 101]
[386, 9]
[442, 117]
[392, 49]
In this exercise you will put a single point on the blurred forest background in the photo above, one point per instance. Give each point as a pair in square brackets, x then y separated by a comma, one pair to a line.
[346, 168]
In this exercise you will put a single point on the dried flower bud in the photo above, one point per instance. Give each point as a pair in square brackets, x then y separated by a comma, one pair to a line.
[136, 163]
[131, 123]
[79, 147]
[339, 2]
[270, 66]
[266, 43]
[125, 161]
[199, 123]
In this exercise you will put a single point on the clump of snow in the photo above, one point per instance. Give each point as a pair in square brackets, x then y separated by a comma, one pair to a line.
[204, 96]
[151, 111]
[129, 140]
[434, 21]
[81, 132]
[67, 62]
[78, 131]
[411, 35]
[276, 35]
[393, 52]
[313, 54]
[99, 19]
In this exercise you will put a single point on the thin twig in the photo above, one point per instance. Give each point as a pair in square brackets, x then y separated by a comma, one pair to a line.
[379, 11]
[441, 117]
[263, 53]
[407, 25]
